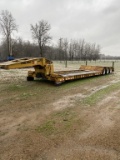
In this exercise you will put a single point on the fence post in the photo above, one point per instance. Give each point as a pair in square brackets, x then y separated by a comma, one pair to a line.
[113, 64]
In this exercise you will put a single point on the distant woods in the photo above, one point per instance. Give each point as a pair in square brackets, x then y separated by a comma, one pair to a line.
[64, 49]
[77, 50]
[73, 50]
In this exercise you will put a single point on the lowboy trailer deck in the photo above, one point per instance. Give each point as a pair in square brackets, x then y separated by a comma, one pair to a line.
[43, 68]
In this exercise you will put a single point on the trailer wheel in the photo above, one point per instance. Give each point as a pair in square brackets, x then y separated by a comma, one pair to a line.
[111, 71]
[58, 83]
[104, 71]
[30, 78]
[107, 71]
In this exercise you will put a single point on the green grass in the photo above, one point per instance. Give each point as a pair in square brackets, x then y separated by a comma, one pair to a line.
[26, 95]
[15, 87]
[47, 128]
[60, 123]
[100, 95]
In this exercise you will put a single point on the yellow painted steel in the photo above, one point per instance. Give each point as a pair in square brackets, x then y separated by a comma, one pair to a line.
[25, 62]
[44, 69]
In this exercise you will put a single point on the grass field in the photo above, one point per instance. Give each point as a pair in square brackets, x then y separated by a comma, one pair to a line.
[78, 120]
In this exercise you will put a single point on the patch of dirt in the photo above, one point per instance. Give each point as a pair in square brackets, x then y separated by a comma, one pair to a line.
[67, 101]
[94, 133]
[101, 138]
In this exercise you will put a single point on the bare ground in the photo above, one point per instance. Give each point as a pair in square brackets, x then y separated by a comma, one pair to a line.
[76, 121]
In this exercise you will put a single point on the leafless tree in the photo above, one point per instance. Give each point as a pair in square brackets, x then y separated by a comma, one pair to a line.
[65, 48]
[7, 26]
[81, 48]
[97, 52]
[40, 34]
[60, 49]
[71, 50]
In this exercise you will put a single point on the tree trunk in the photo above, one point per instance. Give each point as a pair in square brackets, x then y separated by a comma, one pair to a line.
[10, 42]
[40, 50]
[8, 46]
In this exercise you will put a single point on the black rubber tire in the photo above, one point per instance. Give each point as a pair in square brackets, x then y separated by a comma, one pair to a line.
[30, 78]
[104, 71]
[111, 71]
[58, 83]
[107, 71]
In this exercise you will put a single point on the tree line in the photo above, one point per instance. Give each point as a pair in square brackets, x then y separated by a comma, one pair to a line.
[64, 49]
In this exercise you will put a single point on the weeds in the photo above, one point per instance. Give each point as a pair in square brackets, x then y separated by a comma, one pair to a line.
[47, 128]
[60, 123]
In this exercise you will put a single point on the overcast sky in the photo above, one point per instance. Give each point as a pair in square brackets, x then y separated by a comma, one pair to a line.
[97, 21]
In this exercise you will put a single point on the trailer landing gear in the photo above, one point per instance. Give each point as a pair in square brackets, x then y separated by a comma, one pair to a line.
[30, 78]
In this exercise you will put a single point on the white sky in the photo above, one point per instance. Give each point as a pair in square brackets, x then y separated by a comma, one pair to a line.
[97, 21]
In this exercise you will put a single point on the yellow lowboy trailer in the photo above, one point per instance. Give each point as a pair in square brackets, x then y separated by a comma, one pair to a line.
[43, 68]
